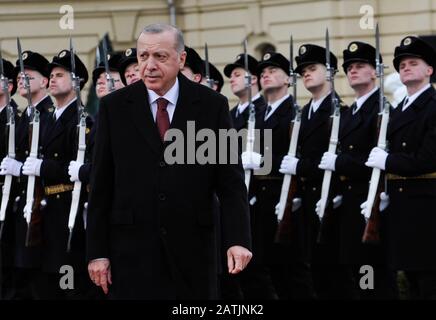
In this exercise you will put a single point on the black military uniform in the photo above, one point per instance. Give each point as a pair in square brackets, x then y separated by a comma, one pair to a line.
[269, 261]
[27, 259]
[411, 173]
[357, 136]
[128, 57]
[313, 141]
[7, 286]
[240, 119]
[59, 147]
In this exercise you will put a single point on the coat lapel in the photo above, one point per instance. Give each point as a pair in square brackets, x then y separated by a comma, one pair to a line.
[142, 117]
[401, 118]
[317, 119]
[58, 127]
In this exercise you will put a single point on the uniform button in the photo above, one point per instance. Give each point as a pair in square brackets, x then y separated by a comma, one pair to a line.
[162, 164]
[163, 231]
[263, 188]
[40, 147]
[162, 197]
[26, 152]
[403, 144]
[23, 192]
[349, 187]
[58, 196]
[314, 188]
[42, 156]
[400, 189]
[350, 147]
[55, 155]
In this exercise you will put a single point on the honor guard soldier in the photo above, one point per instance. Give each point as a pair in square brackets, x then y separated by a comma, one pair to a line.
[99, 75]
[128, 68]
[59, 147]
[357, 136]
[236, 73]
[269, 265]
[7, 286]
[313, 141]
[410, 166]
[193, 68]
[27, 258]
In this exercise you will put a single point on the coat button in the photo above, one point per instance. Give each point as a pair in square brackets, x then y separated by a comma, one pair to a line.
[263, 188]
[314, 189]
[55, 155]
[400, 189]
[162, 197]
[58, 196]
[26, 152]
[350, 147]
[162, 164]
[404, 144]
[349, 187]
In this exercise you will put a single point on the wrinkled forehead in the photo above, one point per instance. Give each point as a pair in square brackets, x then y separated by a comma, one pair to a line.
[149, 42]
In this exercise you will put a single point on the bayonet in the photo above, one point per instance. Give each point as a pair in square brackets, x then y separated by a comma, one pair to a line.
[110, 84]
[209, 81]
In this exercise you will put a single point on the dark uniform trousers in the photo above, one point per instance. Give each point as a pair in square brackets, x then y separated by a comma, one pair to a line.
[322, 255]
[410, 221]
[357, 136]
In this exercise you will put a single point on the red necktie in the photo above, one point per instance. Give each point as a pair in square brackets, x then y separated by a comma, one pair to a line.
[162, 117]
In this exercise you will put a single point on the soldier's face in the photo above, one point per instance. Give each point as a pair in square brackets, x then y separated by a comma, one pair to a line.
[314, 76]
[237, 81]
[414, 70]
[36, 80]
[159, 62]
[101, 88]
[273, 78]
[60, 82]
[360, 74]
[132, 73]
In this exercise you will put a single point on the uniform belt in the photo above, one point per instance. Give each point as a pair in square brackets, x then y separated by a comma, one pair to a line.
[268, 178]
[58, 188]
[391, 176]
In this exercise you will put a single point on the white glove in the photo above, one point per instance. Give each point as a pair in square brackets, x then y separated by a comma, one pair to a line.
[384, 201]
[318, 207]
[377, 158]
[11, 167]
[289, 165]
[251, 160]
[73, 171]
[32, 167]
[337, 201]
[328, 161]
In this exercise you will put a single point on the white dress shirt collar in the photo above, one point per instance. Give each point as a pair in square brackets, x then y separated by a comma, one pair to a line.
[243, 106]
[59, 110]
[274, 105]
[414, 96]
[360, 101]
[171, 96]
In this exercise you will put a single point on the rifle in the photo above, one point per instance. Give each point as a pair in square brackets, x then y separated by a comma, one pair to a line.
[371, 212]
[252, 115]
[34, 192]
[11, 144]
[110, 83]
[75, 199]
[289, 185]
[209, 81]
[334, 134]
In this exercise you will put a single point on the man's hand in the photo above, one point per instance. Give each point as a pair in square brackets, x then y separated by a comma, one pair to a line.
[10, 166]
[100, 273]
[237, 259]
[32, 167]
[288, 165]
[73, 170]
[377, 158]
[328, 161]
[251, 160]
